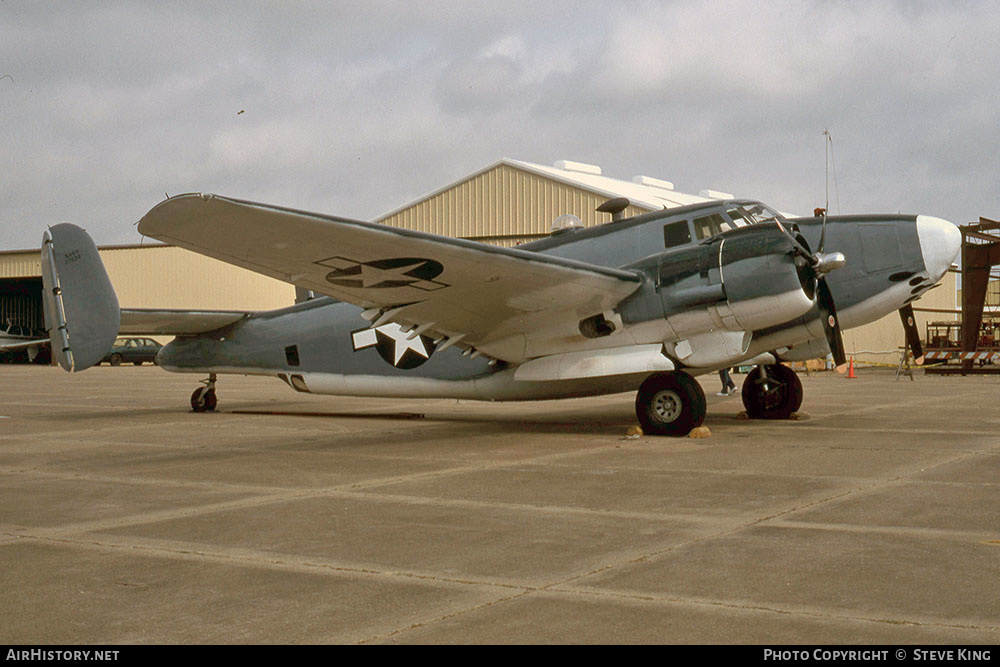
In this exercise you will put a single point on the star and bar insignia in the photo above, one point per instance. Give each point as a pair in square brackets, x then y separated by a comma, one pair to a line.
[414, 272]
[393, 345]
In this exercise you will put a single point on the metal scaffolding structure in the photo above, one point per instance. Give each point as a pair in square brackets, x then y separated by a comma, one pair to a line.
[980, 253]
[970, 344]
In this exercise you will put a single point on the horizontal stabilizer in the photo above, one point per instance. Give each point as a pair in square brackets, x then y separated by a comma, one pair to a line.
[169, 322]
[81, 308]
[20, 345]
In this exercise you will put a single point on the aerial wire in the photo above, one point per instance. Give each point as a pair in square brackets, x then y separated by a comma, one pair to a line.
[830, 159]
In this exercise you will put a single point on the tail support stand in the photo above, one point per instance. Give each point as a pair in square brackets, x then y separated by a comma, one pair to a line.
[904, 365]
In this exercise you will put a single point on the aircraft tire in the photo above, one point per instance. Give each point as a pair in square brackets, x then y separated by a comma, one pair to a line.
[670, 404]
[778, 398]
[203, 400]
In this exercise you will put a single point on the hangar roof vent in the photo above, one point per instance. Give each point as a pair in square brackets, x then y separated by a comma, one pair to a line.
[715, 194]
[580, 167]
[653, 182]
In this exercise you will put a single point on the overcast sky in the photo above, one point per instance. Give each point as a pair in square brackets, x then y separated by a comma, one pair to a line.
[356, 108]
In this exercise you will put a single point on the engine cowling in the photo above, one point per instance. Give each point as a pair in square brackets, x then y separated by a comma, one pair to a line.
[763, 282]
[742, 280]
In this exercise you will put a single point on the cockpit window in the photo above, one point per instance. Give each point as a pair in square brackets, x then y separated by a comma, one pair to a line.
[757, 212]
[710, 225]
[739, 217]
[676, 233]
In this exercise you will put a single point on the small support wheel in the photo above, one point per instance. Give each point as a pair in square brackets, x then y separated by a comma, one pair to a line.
[772, 392]
[203, 399]
[670, 404]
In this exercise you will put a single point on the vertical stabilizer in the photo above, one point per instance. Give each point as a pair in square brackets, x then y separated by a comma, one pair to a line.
[81, 308]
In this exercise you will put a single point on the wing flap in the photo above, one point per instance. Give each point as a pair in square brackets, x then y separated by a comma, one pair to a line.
[595, 363]
[462, 288]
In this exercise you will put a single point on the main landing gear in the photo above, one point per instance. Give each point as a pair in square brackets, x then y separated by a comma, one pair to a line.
[203, 399]
[772, 392]
[670, 403]
[673, 403]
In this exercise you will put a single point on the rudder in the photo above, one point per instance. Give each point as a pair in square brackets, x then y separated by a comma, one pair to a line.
[81, 307]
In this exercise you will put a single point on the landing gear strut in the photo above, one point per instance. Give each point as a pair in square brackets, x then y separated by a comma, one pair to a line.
[772, 392]
[203, 399]
[670, 404]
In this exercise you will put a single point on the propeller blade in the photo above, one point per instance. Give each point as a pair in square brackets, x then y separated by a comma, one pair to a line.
[912, 335]
[822, 263]
[800, 249]
[831, 325]
[822, 235]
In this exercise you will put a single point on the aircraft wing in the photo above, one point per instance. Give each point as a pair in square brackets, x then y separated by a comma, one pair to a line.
[456, 289]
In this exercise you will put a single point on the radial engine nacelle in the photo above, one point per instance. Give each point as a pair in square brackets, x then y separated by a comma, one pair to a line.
[740, 281]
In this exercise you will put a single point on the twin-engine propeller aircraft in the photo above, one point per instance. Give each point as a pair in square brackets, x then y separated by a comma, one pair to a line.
[643, 303]
[14, 337]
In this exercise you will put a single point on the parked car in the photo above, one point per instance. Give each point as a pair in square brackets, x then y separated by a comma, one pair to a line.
[132, 351]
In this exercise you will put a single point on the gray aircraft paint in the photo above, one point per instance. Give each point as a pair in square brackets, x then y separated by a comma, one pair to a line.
[652, 299]
[80, 304]
[322, 330]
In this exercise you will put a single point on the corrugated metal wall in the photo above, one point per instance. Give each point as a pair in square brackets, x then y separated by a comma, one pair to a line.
[503, 206]
[879, 342]
[167, 277]
[21, 264]
[992, 294]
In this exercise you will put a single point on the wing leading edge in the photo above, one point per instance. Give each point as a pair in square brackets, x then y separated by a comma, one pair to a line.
[22, 344]
[487, 297]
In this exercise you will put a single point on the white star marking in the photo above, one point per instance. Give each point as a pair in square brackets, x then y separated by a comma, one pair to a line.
[367, 338]
[371, 275]
[402, 345]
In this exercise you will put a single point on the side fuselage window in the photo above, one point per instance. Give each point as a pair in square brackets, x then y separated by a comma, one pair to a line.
[676, 233]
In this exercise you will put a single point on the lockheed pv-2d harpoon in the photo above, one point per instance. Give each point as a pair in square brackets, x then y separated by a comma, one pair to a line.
[644, 303]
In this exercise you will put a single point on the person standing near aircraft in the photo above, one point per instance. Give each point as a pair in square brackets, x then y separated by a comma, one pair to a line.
[728, 386]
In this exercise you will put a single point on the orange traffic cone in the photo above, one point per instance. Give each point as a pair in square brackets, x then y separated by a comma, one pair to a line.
[850, 372]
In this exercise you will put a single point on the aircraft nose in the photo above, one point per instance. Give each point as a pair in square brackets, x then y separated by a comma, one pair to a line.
[940, 242]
